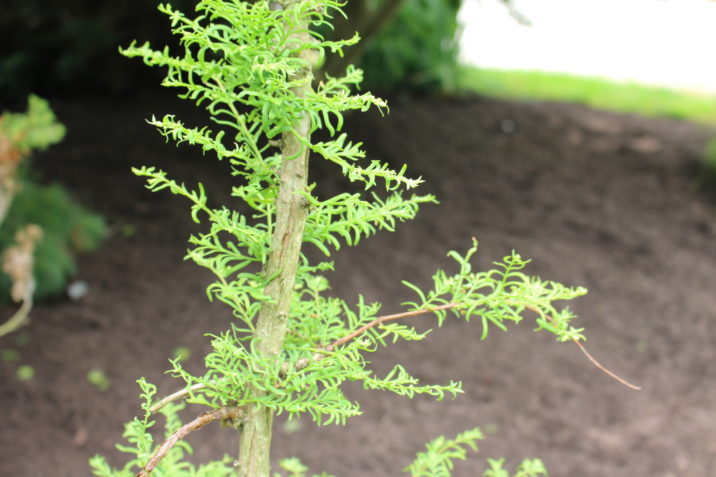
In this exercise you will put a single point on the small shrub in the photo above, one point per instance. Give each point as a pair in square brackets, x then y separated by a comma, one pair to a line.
[41, 227]
[68, 229]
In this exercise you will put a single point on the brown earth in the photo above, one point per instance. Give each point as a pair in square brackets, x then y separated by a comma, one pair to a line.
[606, 201]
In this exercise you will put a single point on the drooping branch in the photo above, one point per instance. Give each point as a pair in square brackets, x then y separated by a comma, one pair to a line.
[448, 306]
[221, 414]
[303, 362]
[591, 358]
[604, 369]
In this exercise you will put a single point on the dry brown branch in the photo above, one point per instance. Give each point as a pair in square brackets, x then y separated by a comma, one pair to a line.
[18, 264]
[221, 414]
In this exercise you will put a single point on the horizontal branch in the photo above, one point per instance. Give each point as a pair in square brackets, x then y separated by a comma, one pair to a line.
[303, 362]
[223, 414]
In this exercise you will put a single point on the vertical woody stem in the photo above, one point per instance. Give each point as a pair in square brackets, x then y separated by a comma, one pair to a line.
[282, 263]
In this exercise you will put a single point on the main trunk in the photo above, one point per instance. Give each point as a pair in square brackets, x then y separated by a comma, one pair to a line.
[291, 210]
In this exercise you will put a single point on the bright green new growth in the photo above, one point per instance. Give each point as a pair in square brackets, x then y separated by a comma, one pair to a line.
[249, 65]
[37, 129]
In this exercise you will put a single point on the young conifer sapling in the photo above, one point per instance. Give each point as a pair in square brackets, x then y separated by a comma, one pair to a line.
[292, 346]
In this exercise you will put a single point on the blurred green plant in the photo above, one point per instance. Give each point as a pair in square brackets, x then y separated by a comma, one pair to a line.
[417, 51]
[708, 175]
[41, 227]
[68, 229]
[25, 372]
[98, 379]
[181, 353]
[9, 355]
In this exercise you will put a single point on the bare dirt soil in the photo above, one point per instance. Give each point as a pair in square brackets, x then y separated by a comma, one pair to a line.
[606, 201]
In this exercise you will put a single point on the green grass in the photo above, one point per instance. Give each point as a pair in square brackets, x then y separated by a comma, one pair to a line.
[594, 92]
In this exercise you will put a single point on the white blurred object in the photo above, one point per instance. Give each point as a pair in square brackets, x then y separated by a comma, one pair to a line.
[507, 126]
[77, 290]
[661, 42]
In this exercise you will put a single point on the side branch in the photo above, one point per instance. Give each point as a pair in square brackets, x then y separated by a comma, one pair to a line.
[447, 306]
[384, 318]
[303, 362]
[223, 413]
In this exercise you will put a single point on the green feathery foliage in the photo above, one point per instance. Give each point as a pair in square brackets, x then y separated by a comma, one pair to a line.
[246, 64]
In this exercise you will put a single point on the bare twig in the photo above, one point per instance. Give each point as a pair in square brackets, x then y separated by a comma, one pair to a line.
[591, 358]
[604, 369]
[223, 413]
[384, 318]
[175, 396]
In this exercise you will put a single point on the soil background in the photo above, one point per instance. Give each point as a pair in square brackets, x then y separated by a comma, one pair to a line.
[606, 201]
